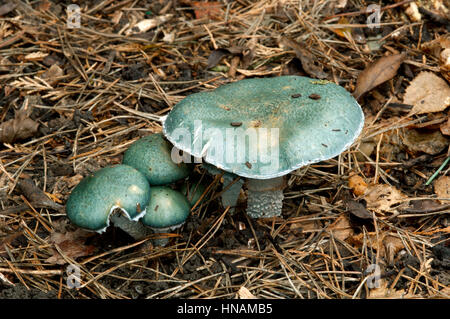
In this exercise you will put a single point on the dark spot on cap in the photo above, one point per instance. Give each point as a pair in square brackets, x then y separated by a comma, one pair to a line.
[236, 124]
[336, 130]
[156, 207]
[297, 95]
[138, 207]
[248, 164]
[314, 96]
[324, 145]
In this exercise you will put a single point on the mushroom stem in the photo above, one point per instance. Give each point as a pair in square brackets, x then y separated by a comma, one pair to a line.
[133, 228]
[231, 195]
[265, 197]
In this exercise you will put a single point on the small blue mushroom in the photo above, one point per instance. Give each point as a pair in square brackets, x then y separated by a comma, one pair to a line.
[167, 210]
[93, 200]
[151, 155]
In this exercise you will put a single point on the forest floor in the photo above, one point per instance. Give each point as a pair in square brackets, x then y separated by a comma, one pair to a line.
[370, 223]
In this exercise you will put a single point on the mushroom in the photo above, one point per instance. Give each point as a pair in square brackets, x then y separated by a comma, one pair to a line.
[151, 155]
[193, 192]
[167, 210]
[231, 188]
[264, 128]
[93, 201]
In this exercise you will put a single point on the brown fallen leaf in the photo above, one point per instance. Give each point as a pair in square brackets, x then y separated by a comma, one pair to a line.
[148, 24]
[71, 244]
[210, 10]
[341, 228]
[445, 127]
[357, 209]
[387, 245]
[382, 197]
[19, 128]
[378, 72]
[357, 184]
[442, 187]
[427, 93]
[244, 293]
[305, 57]
[7, 8]
[344, 32]
[424, 141]
[384, 292]
[35, 195]
[53, 74]
[245, 54]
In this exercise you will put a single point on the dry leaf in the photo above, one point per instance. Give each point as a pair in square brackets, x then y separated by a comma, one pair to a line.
[35, 195]
[19, 128]
[7, 8]
[245, 54]
[424, 141]
[74, 180]
[305, 226]
[244, 293]
[385, 244]
[211, 10]
[442, 187]
[365, 148]
[305, 57]
[445, 127]
[216, 56]
[344, 32]
[378, 72]
[71, 244]
[445, 63]
[427, 93]
[384, 292]
[53, 74]
[35, 56]
[357, 184]
[341, 228]
[382, 198]
[148, 24]
[357, 209]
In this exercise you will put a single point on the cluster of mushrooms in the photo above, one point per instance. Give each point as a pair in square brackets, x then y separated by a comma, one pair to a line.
[303, 120]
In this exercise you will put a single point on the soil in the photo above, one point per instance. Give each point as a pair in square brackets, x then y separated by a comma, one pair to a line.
[328, 235]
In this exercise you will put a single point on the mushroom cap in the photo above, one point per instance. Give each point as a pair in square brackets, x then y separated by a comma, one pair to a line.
[96, 196]
[167, 208]
[151, 155]
[296, 121]
[193, 192]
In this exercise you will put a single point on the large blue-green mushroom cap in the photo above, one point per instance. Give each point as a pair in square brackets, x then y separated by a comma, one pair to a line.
[92, 201]
[151, 155]
[263, 128]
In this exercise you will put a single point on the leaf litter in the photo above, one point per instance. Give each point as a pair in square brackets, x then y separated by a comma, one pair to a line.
[94, 90]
